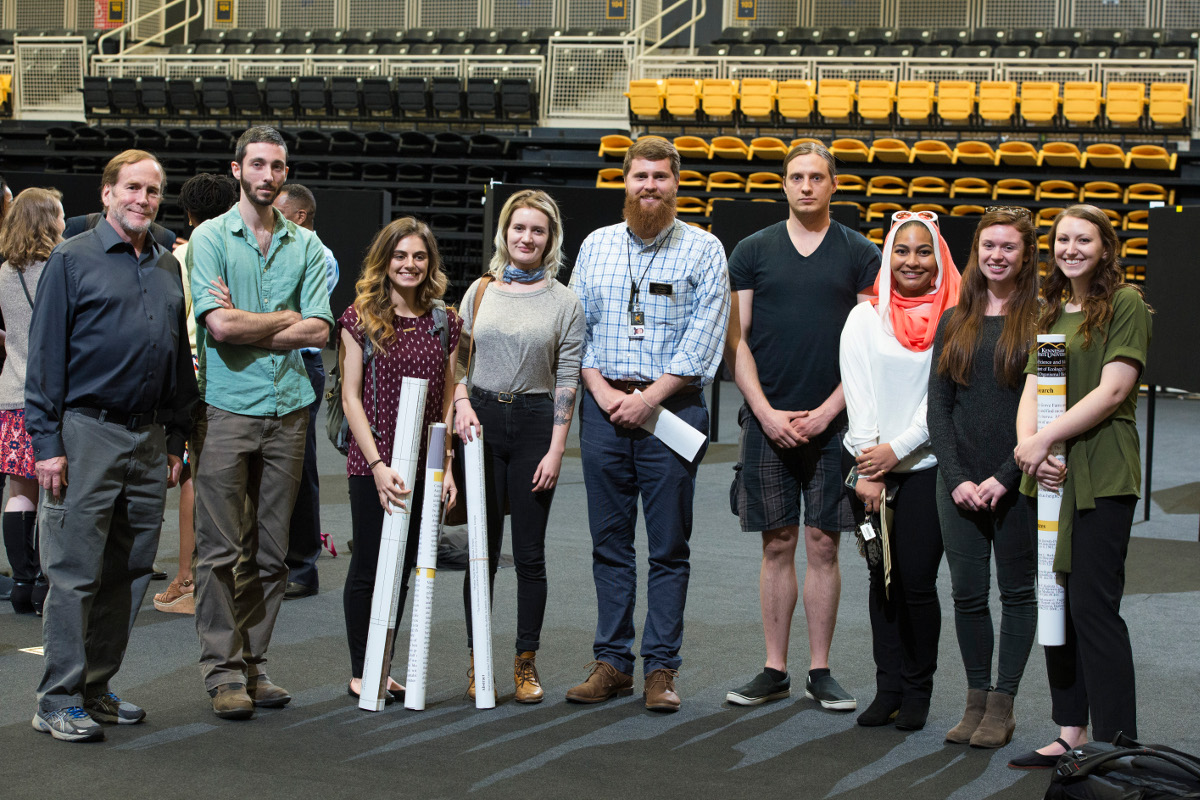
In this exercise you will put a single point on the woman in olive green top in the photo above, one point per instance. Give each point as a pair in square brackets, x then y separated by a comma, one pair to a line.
[1107, 325]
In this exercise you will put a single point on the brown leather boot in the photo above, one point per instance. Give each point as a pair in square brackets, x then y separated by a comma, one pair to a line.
[529, 688]
[471, 675]
[961, 733]
[604, 683]
[998, 723]
[660, 690]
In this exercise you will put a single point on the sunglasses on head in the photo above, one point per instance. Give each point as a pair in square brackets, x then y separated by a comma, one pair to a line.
[1015, 210]
[901, 216]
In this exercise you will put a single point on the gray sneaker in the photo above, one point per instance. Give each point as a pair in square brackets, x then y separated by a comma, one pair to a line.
[762, 689]
[829, 693]
[68, 724]
[110, 708]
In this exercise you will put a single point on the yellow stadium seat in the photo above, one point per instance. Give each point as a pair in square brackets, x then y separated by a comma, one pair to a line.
[614, 144]
[1150, 156]
[732, 148]
[1081, 102]
[692, 179]
[1138, 220]
[967, 211]
[718, 97]
[1100, 190]
[932, 151]
[690, 205]
[936, 208]
[1039, 101]
[1012, 187]
[764, 182]
[767, 148]
[1057, 190]
[975, 153]
[892, 151]
[1135, 246]
[851, 184]
[850, 150]
[876, 100]
[882, 210]
[762, 200]
[1046, 216]
[795, 99]
[887, 185]
[725, 182]
[835, 98]
[645, 98]
[610, 178]
[928, 184]
[758, 97]
[997, 100]
[1113, 215]
[956, 100]
[1061, 154]
[692, 147]
[804, 140]
[1145, 192]
[1123, 102]
[1104, 156]
[875, 235]
[970, 186]
[682, 97]
[1018, 154]
[914, 100]
[1168, 104]
[1044, 242]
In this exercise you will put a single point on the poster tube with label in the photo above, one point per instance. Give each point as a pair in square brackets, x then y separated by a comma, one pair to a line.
[477, 550]
[431, 526]
[1052, 403]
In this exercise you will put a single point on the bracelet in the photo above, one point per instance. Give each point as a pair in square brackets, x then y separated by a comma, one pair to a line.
[373, 463]
[643, 399]
[461, 398]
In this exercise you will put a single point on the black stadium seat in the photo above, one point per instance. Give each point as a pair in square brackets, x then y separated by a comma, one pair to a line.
[934, 51]
[363, 49]
[279, 95]
[973, 51]
[876, 36]
[1052, 51]
[311, 95]
[1012, 51]
[481, 99]
[736, 35]
[820, 50]
[1173, 51]
[747, 50]
[95, 95]
[152, 94]
[897, 51]
[989, 36]
[484, 35]
[858, 51]
[712, 50]
[768, 36]
[839, 36]
[246, 48]
[445, 97]
[1132, 52]
[1033, 37]
[1094, 51]
[378, 97]
[785, 50]
[952, 36]
[1067, 36]
[246, 96]
[412, 96]
[344, 95]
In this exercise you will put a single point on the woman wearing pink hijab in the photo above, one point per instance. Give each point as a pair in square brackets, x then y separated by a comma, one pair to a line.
[886, 349]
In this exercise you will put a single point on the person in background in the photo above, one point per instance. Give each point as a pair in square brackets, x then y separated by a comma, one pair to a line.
[520, 389]
[975, 384]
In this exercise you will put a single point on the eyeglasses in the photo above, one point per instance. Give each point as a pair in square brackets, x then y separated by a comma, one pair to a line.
[928, 216]
[1015, 210]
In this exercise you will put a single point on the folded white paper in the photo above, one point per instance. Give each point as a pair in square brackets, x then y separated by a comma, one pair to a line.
[674, 432]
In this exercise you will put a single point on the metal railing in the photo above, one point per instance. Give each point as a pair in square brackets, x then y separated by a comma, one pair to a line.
[119, 34]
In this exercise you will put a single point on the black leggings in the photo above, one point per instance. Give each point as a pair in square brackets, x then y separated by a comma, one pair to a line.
[516, 437]
[366, 520]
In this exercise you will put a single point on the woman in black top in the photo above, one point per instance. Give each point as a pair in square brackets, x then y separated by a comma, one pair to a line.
[975, 385]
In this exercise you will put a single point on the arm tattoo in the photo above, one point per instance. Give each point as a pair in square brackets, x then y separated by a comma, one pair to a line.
[564, 406]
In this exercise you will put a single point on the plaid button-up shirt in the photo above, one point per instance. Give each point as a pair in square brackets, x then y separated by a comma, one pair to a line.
[684, 325]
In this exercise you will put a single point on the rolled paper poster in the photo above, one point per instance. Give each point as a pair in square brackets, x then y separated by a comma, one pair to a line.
[477, 550]
[431, 528]
[385, 600]
[1052, 403]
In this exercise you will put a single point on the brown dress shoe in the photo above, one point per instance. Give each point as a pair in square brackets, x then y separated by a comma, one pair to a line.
[230, 701]
[266, 694]
[471, 675]
[604, 683]
[660, 690]
[529, 688]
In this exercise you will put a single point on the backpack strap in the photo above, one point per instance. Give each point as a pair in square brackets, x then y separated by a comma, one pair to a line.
[93, 220]
[441, 326]
[483, 285]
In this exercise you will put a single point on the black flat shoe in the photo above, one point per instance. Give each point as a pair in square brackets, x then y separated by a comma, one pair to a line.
[1035, 760]
[883, 709]
[390, 697]
[913, 714]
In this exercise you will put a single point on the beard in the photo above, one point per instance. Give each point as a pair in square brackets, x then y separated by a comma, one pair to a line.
[249, 192]
[648, 223]
[122, 219]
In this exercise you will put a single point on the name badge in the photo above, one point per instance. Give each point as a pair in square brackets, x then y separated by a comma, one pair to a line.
[637, 324]
[664, 289]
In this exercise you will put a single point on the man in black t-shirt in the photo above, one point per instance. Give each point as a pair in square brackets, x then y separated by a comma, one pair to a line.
[794, 284]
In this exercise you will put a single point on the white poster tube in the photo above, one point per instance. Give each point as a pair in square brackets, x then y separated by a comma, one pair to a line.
[1052, 403]
[477, 550]
[389, 572]
[431, 527]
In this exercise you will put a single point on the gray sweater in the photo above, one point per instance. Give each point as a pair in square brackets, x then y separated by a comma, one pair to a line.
[525, 342]
[17, 313]
[973, 429]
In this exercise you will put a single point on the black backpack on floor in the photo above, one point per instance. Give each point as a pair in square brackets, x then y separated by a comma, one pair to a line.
[1125, 770]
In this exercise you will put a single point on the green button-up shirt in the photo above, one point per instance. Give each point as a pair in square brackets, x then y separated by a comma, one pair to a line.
[242, 378]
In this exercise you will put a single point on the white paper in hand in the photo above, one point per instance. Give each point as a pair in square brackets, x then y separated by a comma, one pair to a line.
[674, 432]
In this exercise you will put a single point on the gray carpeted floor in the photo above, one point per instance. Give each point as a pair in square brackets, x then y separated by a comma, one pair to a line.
[322, 746]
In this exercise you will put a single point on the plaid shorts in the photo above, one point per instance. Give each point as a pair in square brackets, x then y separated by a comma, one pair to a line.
[768, 480]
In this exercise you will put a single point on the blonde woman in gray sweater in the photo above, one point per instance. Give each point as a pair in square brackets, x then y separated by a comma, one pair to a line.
[520, 389]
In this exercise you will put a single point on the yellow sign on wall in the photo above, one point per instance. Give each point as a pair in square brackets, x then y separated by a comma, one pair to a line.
[224, 11]
[116, 10]
[747, 9]
[617, 9]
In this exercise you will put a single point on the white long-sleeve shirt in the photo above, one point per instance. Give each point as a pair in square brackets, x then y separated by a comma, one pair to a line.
[886, 387]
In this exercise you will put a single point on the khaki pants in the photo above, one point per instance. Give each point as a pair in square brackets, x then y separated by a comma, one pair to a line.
[258, 459]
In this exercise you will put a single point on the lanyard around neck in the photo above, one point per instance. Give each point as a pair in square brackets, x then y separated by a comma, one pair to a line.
[634, 284]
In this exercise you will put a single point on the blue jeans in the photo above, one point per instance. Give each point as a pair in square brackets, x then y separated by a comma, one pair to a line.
[619, 465]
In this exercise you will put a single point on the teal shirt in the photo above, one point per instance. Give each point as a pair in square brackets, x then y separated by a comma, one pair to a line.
[242, 378]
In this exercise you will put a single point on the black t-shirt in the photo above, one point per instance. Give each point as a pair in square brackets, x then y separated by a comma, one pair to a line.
[800, 307]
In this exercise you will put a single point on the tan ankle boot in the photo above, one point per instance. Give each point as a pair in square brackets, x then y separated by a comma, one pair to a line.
[962, 732]
[471, 675]
[998, 723]
[529, 688]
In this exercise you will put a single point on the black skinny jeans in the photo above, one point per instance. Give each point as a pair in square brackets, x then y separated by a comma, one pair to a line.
[366, 521]
[1093, 671]
[969, 538]
[516, 436]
